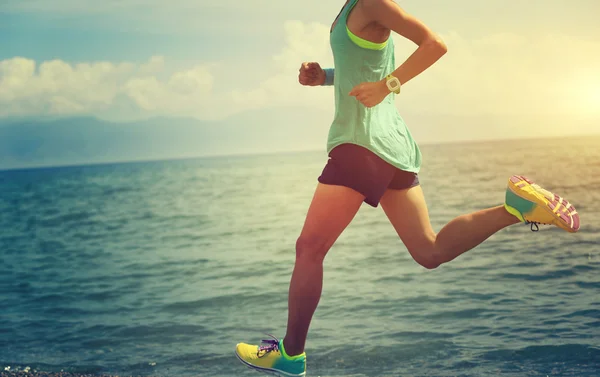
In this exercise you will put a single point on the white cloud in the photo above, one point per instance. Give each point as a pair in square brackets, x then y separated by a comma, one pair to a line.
[303, 42]
[58, 87]
[184, 93]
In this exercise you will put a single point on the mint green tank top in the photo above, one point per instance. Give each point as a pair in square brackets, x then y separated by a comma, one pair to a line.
[380, 129]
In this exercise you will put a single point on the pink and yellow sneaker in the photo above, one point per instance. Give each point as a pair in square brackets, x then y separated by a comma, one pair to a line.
[534, 205]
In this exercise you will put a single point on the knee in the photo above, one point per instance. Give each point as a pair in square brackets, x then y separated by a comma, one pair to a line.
[424, 250]
[311, 249]
[430, 263]
[428, 257]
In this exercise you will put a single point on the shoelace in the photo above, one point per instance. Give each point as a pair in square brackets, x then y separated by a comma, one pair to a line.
[270, 346]
[535, 226]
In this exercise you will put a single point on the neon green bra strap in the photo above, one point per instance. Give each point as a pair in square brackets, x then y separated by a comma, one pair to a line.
[364, 43]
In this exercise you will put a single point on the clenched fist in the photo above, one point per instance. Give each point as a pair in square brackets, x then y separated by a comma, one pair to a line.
[311, 74]
[370, 93]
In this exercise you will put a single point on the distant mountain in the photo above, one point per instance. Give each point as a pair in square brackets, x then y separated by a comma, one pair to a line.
[29, 142]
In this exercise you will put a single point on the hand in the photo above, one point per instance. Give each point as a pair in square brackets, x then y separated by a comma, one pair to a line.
[370, 93]
[311, 74]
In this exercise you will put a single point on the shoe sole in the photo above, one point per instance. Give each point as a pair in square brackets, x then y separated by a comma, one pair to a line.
[268, 370]
[562, 211]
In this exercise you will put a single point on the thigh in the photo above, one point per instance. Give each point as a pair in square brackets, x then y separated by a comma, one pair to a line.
[331, 210]
[407, 211]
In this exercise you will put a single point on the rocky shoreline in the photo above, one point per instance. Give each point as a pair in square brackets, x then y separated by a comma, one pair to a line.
[22, 373]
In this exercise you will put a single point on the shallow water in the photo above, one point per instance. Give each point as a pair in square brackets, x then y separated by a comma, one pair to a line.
[160, 268]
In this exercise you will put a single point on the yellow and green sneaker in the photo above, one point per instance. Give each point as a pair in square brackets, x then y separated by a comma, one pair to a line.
[534, 205]
[271, 358]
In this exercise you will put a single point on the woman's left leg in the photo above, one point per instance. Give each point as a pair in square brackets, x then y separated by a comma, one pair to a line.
[525, 202]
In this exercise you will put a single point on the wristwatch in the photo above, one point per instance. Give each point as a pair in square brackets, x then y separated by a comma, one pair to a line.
[393, 83]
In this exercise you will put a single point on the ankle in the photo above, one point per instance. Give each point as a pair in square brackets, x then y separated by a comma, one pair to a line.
[510, 218]
[290, 348]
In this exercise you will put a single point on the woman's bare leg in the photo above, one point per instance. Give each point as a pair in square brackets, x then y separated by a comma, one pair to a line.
[331, 210]
[407, 211]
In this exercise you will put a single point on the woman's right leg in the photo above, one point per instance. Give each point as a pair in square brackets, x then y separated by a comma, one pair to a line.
[352, 175]
[332, 209]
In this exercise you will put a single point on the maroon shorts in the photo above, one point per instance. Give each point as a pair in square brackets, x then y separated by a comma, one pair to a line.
[360, 169]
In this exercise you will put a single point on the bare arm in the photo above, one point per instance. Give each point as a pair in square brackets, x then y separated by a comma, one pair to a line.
[431, 48]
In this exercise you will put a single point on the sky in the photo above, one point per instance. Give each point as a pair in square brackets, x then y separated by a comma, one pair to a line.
[211, 59]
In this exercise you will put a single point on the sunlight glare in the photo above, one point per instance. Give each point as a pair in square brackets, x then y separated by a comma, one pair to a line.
[590, 95]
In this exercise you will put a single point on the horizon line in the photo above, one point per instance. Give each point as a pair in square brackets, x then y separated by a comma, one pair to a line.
[279, 152]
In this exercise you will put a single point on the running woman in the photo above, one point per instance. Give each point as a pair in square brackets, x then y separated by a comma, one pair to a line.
[374, 159]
